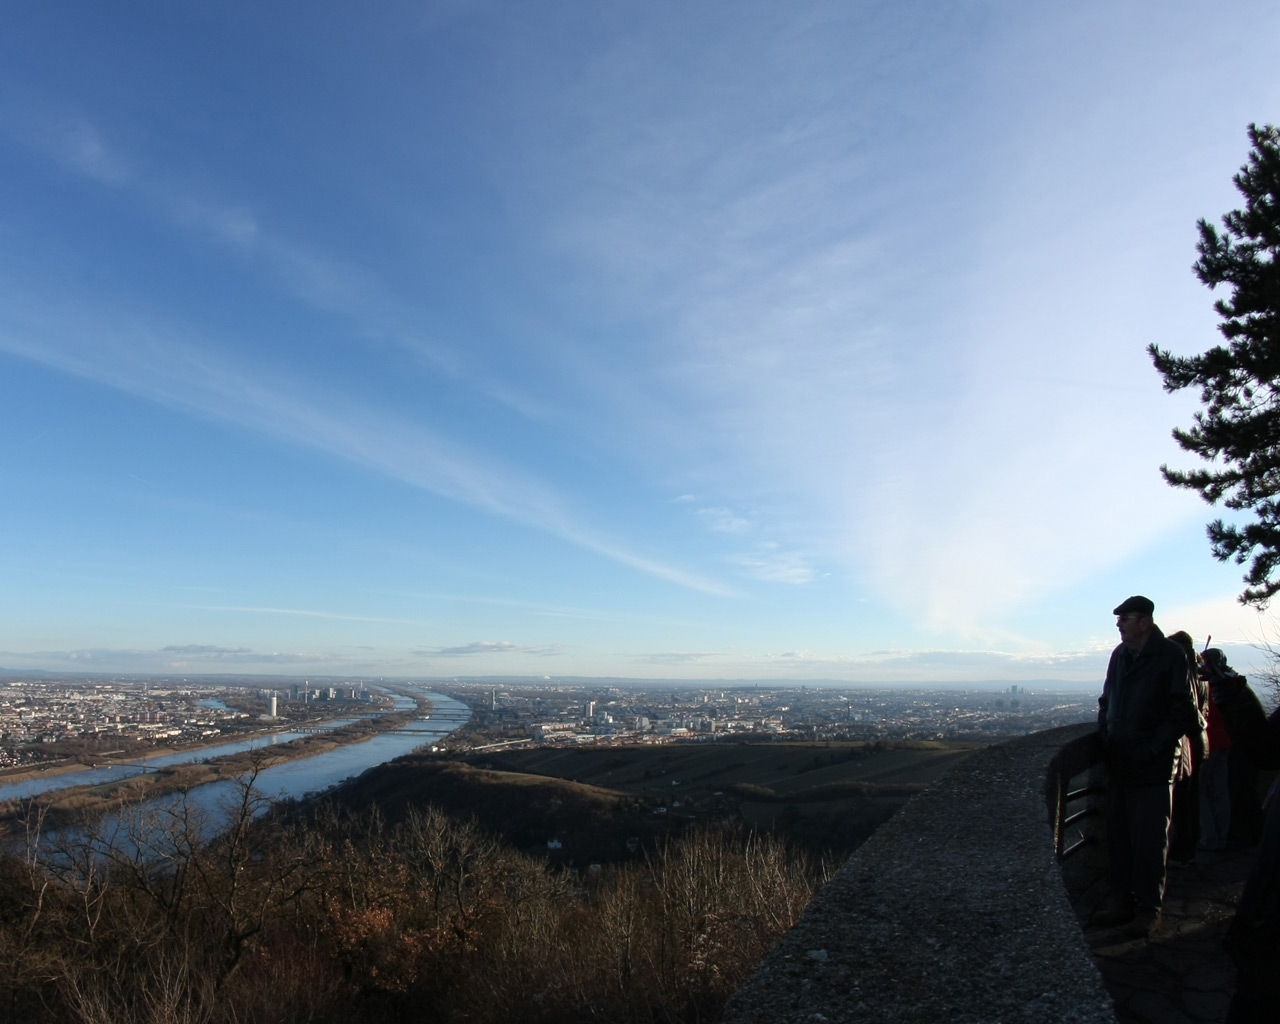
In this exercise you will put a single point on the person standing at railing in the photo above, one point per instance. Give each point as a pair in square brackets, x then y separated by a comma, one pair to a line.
[1246, 723]
[1215, 793]
[1145, 709]
[1185, 837]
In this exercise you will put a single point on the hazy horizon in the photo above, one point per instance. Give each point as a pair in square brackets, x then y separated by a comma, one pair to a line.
[621, 682]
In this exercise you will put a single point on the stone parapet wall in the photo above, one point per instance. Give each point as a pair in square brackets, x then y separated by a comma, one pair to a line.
[953, 911]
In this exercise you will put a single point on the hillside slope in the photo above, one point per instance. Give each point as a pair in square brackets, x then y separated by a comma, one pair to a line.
[605, 804]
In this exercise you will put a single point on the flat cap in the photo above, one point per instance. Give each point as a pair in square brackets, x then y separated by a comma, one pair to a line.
[1141, 605]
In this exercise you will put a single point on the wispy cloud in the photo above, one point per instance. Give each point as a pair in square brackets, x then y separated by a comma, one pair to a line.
[490, 647]
[307, 272]
[679, 657]
[204, 649]
[610, 549]
[150, 362]
[179, 658]
[940, 665]
[723, 520]
[770, 563]
[79, 146]
[876, 335]
[939, 388]
[542, 609]
[315, 277]
[765, 560]
[308, 613]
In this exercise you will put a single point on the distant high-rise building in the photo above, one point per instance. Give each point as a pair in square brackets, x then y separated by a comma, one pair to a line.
[271, 706]
[588, 709]
[493, 699]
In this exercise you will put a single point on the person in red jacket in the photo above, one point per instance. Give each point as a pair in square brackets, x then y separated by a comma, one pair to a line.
[1246, 724]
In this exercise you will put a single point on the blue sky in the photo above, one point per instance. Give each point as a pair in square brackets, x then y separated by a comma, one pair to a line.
[656, 340]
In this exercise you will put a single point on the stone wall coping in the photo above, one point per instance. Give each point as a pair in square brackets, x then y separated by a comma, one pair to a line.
[954, 910]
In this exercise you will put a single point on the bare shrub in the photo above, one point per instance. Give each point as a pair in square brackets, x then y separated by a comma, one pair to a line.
[149, 917]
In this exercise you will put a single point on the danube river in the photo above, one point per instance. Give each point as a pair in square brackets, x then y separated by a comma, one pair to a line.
[291, 778]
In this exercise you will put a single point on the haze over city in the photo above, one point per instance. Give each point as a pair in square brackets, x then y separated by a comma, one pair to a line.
[715, 341]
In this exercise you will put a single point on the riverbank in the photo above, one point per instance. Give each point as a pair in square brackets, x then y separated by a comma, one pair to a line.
[62, 805]
[143, 752]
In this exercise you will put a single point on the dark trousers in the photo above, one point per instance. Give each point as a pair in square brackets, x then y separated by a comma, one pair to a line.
[1138, 840]
[1242, 782]
[1186, 815]
[1254, 937]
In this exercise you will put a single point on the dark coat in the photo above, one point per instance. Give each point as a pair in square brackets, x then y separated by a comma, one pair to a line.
[1253, 939]
[1199, 737]
[1242, 714]
[1271, 753]
[1197, 748]
[1147, 706]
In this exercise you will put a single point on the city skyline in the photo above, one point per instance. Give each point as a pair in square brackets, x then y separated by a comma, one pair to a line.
[734, 342]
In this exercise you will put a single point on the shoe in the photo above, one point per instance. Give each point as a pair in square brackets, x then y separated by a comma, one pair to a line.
[1144, 923]
[1112, 913]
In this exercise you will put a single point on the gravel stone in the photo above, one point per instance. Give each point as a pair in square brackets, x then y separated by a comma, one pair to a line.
[955, 909]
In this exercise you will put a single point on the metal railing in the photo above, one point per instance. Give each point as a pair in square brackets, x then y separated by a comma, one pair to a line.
[1072, 792]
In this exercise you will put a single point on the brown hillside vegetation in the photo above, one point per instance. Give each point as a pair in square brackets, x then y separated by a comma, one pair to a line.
[783, 767]
[824, 797]
[526, 811]
[336, 918]
[402, 899]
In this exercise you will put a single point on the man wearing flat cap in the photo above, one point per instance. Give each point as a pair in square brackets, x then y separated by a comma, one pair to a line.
[1147, 705]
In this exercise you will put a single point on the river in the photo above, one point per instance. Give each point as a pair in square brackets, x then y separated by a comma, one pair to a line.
[289, 779]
